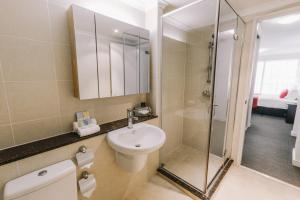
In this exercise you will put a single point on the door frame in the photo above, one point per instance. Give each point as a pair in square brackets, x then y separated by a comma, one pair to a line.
[247, 65]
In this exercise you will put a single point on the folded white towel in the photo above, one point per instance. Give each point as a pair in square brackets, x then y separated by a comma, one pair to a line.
[86, 130]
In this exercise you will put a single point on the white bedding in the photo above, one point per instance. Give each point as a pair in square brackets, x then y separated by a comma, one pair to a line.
[274, 102]
[271, 102]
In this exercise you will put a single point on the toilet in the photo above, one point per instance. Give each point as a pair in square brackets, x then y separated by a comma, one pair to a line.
[57, 182]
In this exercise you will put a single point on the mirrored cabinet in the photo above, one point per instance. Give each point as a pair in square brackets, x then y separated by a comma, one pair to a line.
[110, 58]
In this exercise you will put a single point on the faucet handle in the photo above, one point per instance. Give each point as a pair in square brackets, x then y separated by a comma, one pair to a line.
[129, 112]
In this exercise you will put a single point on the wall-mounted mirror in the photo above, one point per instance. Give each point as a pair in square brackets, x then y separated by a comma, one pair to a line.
[116, 59]
[131, 63]
[144, 73]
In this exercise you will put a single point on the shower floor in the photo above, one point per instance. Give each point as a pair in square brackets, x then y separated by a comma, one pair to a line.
[189, 164]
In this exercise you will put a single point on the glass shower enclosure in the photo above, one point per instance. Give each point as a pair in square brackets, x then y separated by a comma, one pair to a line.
[202, 45]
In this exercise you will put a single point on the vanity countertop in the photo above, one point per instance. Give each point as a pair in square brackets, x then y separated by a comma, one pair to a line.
[30, 149]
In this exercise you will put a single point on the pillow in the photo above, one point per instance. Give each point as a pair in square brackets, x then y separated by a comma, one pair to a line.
[284, 93]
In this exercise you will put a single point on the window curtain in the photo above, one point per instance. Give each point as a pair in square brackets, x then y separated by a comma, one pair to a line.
[273, 76]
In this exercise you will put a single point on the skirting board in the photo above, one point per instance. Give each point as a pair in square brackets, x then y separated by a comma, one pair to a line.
[294, 161]
[293, 133]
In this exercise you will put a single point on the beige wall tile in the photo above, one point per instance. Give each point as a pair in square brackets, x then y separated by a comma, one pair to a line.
[69, 103]
[174, 63]
[6, 137]
[111, 109]
[35, 130]
[154, 122]
[25, 18]
[63, 62]
[26, 60]
[32, 100]
[1, 73]
[59, 22]
[4, 115]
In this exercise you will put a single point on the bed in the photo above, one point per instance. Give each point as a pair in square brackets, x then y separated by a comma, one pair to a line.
[272, 105]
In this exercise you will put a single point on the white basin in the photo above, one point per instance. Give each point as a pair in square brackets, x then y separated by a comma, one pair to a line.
[132, 145]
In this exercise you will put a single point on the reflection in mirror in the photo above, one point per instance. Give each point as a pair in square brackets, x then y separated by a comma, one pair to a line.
[131, 63]
[144, 53]
[109, 33]
[117, 69]
[108, 58]
[103, 67]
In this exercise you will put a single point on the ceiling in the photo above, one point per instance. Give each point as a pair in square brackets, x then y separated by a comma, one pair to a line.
[201, 13]
[193, 16]
[279, 38]
[243, 7]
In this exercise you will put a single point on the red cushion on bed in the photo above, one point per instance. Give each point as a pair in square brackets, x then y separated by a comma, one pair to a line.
[284, 93]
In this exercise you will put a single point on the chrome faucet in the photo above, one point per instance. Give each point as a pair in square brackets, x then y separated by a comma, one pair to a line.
[130, 118]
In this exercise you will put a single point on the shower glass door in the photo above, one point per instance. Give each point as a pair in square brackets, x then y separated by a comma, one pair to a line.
[188, 48]
[222, 87]
[200, 69]
[226, 74]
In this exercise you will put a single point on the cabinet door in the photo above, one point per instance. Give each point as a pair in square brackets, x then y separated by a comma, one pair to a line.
[144, 66]
[131, 61]
[84, 48]
[104, 68]
[117, 69]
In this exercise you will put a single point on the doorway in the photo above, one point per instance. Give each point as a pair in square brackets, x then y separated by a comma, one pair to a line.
[269, 139]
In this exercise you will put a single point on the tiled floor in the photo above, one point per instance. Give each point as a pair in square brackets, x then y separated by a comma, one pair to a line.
[240, 183]
[190, 163]
[157, 189]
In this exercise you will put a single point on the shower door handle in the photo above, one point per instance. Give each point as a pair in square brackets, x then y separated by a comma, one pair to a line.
[214, 108]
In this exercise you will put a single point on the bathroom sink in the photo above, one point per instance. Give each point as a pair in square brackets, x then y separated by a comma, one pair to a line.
[132, 145]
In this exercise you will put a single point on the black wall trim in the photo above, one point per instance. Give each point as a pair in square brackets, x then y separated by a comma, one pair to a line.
[30, 149]
[220, 177]
[186, 185]
[213, 185]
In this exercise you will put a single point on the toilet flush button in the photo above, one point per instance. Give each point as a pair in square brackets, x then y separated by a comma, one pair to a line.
[42, 173]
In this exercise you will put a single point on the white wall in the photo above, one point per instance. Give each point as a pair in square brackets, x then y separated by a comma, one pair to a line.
[174, 33]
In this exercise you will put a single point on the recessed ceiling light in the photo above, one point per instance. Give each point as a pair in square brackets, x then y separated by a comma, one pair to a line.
[289, 19]
[230, 31]
[116, 31]
[261, 50]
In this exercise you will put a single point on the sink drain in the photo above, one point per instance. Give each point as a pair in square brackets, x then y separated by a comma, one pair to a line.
[137, 145]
